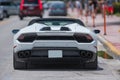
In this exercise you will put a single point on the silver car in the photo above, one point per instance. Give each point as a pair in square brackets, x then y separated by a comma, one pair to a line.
[58, 8]
[9, 8]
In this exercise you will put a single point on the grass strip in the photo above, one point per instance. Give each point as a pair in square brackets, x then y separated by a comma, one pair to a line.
[103, 54]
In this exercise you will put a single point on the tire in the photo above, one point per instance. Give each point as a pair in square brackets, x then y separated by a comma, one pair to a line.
[21, 18]
[1, 18]
[6, 15]
[19, 65]
[41, 16]
[92, 65]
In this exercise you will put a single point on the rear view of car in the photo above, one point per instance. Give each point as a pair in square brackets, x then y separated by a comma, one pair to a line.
[55, 40]
[58, 9]
[30, 8]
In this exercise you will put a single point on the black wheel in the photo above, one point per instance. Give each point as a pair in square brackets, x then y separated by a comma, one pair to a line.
[41, 16]
[1, 18]
[6, 15]
[19, 65]
[21, 18]
[92, 65]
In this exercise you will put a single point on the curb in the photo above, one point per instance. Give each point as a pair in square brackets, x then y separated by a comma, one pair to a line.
[111, 49]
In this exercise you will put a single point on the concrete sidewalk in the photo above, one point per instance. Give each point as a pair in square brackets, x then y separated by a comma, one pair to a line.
[112, 29]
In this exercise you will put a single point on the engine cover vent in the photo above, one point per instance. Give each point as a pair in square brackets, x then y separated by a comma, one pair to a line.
[65, 29]
[45, 29]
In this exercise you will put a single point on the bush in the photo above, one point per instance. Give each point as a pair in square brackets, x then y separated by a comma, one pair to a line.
[103, 53]
[116, 7]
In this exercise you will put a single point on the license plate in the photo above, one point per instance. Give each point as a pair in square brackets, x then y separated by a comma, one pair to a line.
[31, 8]
[55, 54]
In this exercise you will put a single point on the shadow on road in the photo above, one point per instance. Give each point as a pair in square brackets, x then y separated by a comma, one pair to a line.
[59, 67]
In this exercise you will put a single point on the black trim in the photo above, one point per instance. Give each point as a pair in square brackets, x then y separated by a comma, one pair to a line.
[55, 38]
[56, 19]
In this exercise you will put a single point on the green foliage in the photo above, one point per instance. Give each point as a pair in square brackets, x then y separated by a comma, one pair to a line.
[116, 7]
[102, 53]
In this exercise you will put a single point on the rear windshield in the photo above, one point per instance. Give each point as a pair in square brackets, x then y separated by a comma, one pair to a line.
[56, 22]
[58, 5]
[31, 2]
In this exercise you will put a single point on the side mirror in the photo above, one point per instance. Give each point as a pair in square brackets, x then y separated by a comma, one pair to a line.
[96, 31]
[15, 31]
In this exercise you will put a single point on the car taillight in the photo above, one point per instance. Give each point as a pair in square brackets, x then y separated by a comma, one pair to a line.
[83, 38]
[29, 37]
[40, 5]
[21, 5]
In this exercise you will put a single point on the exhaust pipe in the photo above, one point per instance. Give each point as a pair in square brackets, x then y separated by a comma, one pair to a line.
[24, 54]
[86, 54]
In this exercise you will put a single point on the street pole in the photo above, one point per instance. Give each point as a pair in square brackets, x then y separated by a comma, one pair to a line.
[86, 18]
[104, 20]
[93, 19]
[93, 15]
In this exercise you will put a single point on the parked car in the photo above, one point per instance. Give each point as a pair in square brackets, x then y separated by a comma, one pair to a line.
[48, 4]
[45, 6]
[1, 13]
[31, 8]
[9, 8]
[58, 8]
[58, 40]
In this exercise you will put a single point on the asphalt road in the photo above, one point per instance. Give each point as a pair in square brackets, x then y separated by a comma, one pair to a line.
[108, 69]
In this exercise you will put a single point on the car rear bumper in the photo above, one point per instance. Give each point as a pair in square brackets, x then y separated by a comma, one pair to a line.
[30, 13]
[70, 55]
[46, 60]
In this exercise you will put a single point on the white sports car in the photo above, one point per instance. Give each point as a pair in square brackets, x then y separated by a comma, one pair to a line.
[56, 40]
